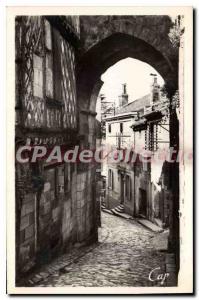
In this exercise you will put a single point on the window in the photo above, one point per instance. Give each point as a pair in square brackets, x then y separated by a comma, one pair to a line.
[38, 76]
[121, 127]
[49, 60]
[48, 39]
[55, 182]
[38, 67]
[49, 75]
[128, 191]
[109, 128]
[151, 137]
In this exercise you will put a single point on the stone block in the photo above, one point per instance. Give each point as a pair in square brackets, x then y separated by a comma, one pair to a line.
[49, 196]
[52, 195]
[23, 210]
[79, 204]
[83, 185]
[24, 222]
[79, 187]
[60, 170]
[22, 236]
[82, 203]
[47, 207]
[78, 178]
[55, 214]
[32, 218]
[28, 208]
[24, 253]
[29, 231]
[79, 196]
[29, 197]
[42, 199]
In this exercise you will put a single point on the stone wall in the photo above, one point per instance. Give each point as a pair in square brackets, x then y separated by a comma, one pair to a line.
[27, 230]
[53, 219]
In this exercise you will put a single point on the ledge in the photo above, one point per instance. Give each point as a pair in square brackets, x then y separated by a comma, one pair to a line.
[52, 103]
[88, 112]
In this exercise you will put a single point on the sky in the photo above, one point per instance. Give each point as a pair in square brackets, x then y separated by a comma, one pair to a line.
[134, 73]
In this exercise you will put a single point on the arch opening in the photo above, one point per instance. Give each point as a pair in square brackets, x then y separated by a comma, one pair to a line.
[134, 73]
[109, 51]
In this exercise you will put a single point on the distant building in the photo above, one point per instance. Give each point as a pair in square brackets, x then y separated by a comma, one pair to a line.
[123, 99]
[107, 109]
[139, 125]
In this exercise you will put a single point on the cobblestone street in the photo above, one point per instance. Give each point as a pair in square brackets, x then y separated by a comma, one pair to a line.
[125, 255]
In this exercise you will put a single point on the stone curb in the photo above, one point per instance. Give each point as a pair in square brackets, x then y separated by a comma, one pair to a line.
[123, 215]
[111, 212]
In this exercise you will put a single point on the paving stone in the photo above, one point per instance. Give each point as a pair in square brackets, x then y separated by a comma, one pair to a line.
[43, 275]
[35, 279]
[30, 281]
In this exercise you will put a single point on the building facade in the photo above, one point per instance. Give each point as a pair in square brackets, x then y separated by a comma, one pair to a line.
[55, 205]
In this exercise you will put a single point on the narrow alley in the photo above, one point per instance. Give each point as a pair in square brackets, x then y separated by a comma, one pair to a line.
[125, 256]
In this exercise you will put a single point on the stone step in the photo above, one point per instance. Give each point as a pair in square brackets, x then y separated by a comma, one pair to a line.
[158, 222]
[148, 224]
[121, 206]
[119, 209]
[123, 215]
[108, 211]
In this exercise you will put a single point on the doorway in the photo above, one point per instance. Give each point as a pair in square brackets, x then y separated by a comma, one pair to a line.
[143, 202]
[122, 188]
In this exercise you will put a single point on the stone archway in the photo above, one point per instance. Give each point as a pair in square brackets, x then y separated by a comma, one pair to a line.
[104, 53]
[105, 41]
[108, 39]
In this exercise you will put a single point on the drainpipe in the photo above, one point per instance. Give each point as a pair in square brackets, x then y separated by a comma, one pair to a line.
[36, 222]
[134, 181]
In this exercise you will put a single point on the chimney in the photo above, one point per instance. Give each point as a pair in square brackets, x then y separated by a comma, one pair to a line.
[102, 97]
[124, 88]
[155, 90]
[123, 99]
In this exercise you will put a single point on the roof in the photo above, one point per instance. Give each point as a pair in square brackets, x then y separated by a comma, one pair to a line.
[136, 105]
[121, 116]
